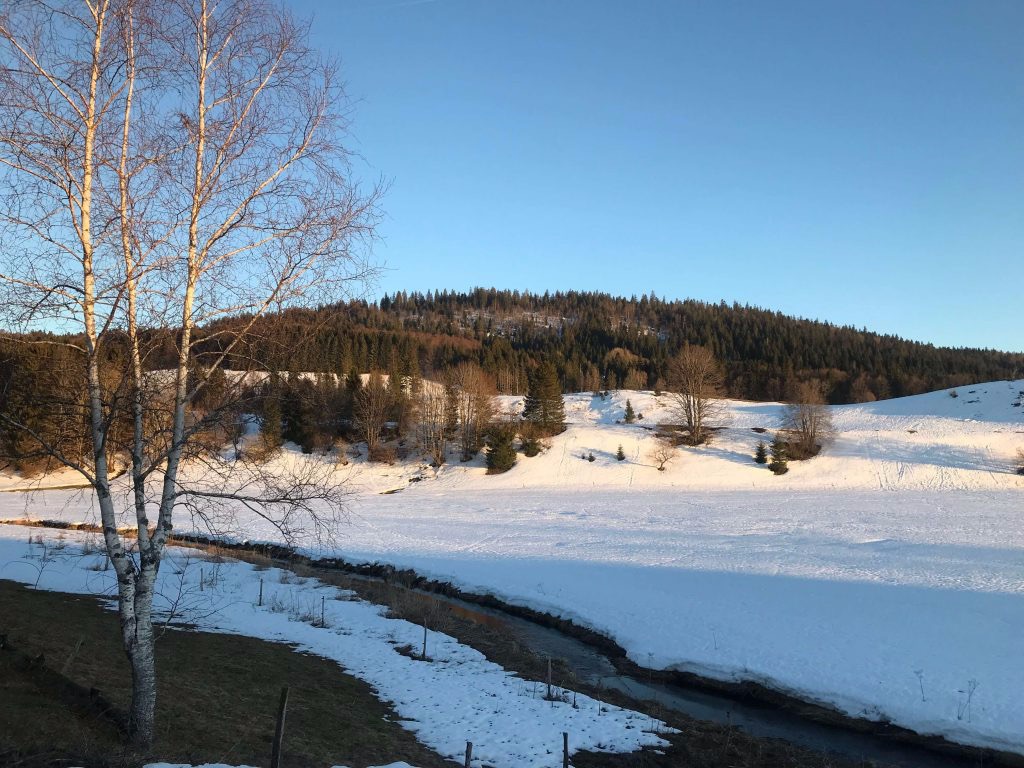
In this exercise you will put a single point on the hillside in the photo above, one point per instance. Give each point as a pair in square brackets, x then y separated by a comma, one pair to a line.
[600, 341]
[884, 577]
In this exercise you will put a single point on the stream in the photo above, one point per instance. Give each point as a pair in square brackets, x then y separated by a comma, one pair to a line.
[762, 720]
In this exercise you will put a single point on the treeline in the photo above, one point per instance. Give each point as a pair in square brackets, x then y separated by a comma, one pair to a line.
[251, 414]
[597, 341]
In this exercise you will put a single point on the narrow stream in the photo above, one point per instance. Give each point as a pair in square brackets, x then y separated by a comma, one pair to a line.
[760, 720]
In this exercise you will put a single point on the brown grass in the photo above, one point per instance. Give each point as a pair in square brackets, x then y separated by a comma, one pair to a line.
[218, 696]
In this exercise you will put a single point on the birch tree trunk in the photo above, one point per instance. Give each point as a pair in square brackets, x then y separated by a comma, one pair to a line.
[165, 164]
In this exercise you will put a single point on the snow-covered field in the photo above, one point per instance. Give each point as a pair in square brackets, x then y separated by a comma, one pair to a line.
[457, 696]
[885, 577]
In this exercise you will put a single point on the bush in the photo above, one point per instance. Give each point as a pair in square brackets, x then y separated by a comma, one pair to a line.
[385, 454]
[620, 454]
[1020, 461]
[590, 457]
[531, 446]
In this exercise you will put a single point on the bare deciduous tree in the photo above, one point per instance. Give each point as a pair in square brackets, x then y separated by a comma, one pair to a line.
[697, 379]
[808, 420]
[475, 405]
[662, 453]
[434, 409]
[166, 165]
[371, 407]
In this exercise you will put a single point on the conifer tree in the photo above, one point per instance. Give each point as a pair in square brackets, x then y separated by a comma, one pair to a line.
[544, 407]
[501, 454]
[620, 454]
[779, 464]
[761, 454]
[270, 420]
[630, 416]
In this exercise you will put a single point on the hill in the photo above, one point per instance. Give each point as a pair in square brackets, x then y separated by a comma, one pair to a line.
[599, 341]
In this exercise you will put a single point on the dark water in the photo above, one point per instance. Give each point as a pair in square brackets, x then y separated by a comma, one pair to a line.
[761, 720]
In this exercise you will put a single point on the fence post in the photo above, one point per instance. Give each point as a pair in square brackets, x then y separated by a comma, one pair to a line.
[549, 678]
[565, 749]
[260, 603]
[275, 757]
[469, 753]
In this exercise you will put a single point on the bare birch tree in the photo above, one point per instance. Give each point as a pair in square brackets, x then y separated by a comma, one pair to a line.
[697, 379]
[167, 165]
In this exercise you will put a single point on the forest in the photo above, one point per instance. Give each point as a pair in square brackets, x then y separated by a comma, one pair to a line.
[597, 341]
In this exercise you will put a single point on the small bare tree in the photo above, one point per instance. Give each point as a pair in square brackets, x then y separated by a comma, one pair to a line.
[169, 170]
[1020, 461]
[662, 453]
[808, 420]
[697, 379]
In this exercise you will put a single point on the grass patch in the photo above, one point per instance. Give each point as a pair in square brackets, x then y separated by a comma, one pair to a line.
[217, 698]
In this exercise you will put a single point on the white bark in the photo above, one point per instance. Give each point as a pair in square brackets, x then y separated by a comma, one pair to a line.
[238, 127]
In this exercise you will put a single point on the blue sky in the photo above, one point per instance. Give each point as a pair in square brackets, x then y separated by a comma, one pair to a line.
[857, 162]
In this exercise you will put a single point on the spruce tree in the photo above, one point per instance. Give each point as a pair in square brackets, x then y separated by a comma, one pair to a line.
[500, 453]
[543, 406]
[270, 418]
[620, 454]
[630, 416]
[779, 464]
[761, 454]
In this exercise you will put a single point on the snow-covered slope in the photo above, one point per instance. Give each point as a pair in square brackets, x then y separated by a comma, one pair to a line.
[883, 576]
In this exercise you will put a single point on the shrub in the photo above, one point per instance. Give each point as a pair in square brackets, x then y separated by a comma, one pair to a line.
[531, 446]
[384, 454]
[1020, 461]
[620, 454]
[590, 457]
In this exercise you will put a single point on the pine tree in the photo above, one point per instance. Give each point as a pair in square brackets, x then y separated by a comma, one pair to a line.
[501, 455]
[543, 406]
[761, 455]
[270, 419]
[779, 464]
[630, 416]
[620, 454]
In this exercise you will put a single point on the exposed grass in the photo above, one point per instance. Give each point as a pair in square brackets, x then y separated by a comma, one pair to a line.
[217, 699]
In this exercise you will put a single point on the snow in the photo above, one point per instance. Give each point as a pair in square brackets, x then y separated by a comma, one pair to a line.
[457, 696]
[881, 577]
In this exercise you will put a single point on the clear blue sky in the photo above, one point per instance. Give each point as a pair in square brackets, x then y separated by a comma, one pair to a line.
[857, 162]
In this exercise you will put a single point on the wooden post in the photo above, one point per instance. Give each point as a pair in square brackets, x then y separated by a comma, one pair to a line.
[549, 678]
[469, 753]
[565, 750]
[261, 592]
[275, 757]
[201, 579]
[323, 620]
[424, 654]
